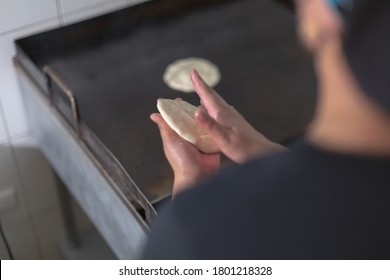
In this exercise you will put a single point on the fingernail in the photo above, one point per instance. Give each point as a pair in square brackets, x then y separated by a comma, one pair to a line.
[197, 76]
[153, 118]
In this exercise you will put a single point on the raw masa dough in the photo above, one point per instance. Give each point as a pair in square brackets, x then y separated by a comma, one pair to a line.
[177, 74]
[180, 116]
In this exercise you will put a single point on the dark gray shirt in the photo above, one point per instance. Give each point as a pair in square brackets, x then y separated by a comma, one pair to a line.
[306, 203]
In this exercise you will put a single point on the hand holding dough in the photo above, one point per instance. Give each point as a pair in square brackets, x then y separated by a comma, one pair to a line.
[180, 116]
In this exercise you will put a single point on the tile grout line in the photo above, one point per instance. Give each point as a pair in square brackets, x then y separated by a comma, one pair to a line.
[39, 213]
[5, 124]
[18, 179]
[29, 212]
[20, 135]
[28, 26]
[60, 12]
[106, 3]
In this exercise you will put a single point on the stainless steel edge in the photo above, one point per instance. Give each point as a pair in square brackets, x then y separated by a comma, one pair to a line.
[117, 220]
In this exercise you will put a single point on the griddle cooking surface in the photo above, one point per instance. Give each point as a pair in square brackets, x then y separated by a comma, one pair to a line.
[117, 74]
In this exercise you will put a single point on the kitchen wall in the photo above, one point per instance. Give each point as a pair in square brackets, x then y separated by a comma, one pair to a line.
[29, 206]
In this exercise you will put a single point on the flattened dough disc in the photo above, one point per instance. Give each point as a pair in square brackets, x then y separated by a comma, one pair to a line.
[180, 116]
[177, 74]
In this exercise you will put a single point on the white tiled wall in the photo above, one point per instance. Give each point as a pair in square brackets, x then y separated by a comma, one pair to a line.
[33, 224]
[3, 133]
[12, 106]
[74, 10]
[35, 174]
[97, 7]
[74, 5]
[16, 14]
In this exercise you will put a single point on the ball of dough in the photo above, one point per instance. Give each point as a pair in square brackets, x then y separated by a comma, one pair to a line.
[180, 116]
[177, 74]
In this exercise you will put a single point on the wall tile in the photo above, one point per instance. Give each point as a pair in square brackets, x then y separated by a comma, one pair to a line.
[18, 13]
[134, 2]
[8, 173]
[92, 11]
[9, 91]
[13, 107]
[38, 178]
[51, 233]
[82, 221]
[18, 213]
[71, 6]
[3, 132]
[74, 5]
[23, 242]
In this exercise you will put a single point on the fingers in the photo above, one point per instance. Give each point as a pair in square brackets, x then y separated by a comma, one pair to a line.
[157, 119]
[217, 132]
[167, 134]
[209, 98]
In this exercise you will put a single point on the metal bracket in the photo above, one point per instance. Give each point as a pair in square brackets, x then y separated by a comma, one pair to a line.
[52, 76]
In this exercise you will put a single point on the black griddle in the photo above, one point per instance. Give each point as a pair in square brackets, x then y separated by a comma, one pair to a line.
[114, 65]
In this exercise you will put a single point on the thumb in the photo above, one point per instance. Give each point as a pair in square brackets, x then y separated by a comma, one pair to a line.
[167, 134]
[217, 132]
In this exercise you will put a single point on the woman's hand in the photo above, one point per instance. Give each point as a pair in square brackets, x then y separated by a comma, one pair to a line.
[319, 25]
[188, 163]
[236, 138]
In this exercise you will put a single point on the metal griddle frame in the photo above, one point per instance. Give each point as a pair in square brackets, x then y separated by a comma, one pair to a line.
[108, 161]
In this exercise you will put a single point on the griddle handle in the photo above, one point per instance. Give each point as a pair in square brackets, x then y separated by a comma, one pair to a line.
[51, 77]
